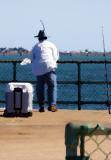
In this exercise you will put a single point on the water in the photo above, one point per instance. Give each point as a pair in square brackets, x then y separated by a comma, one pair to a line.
[66, 72]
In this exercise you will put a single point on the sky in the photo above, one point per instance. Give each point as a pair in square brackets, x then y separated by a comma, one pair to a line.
[70, 24]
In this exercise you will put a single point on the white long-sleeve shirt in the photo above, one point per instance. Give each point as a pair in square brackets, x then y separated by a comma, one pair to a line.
[44, 57]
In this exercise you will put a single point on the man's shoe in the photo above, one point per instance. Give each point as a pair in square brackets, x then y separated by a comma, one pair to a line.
[52, 108]
[41, 109]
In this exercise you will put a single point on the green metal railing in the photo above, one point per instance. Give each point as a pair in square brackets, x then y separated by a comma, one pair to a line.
[79, 82]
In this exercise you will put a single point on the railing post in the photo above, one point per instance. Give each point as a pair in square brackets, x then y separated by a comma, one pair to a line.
[79, 86]
[14, 71]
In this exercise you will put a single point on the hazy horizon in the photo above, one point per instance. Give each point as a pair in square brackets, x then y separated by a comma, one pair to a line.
[71, 25]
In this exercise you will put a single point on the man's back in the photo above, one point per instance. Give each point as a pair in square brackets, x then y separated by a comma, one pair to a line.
[44, 57]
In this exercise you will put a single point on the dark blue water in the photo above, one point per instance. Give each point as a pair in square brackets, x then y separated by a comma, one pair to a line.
[65, 72]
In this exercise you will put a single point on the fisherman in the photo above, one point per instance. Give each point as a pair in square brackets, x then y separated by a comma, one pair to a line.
[44, 58]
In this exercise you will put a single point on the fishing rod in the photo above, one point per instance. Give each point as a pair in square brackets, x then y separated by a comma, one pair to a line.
[26, 61]
[42, 25]
[44, 30]
[106, 74]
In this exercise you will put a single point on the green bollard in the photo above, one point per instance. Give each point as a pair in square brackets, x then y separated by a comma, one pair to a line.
[82, 156]
[77, 133]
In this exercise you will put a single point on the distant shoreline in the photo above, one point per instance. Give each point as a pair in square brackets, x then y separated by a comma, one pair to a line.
[61, 53]
[12, 51]
[21, 51]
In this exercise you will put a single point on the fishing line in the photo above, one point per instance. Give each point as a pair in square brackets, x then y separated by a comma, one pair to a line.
[106, 74]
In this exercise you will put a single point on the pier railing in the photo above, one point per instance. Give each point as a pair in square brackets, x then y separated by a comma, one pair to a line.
[78, 82]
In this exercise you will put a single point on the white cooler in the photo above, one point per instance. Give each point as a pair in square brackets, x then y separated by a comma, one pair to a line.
[19, 98]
